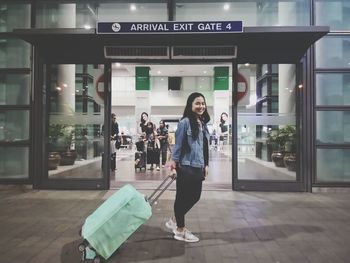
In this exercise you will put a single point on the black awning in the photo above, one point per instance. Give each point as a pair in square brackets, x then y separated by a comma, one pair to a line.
[254, 44]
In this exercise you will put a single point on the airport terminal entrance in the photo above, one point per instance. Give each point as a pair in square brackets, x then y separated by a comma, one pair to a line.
[254, 98]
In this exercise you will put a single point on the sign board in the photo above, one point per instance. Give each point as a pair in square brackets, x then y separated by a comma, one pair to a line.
[169, 27]
[242, 87]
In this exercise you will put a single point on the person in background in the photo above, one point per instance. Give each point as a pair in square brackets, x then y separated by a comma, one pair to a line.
[143, 122]
[162, 133]
[190, 159]
[224, 129]
[152, 146]
[115, 140]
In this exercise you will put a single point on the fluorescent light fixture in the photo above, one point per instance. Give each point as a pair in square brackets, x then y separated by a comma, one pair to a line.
[132, 7]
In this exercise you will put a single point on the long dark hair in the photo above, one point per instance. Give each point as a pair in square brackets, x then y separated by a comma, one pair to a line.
[222, 122]
[142, 120]
[205, 118]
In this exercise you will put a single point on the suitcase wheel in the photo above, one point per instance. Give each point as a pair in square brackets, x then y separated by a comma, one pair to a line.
[98, 259]
[82, 246]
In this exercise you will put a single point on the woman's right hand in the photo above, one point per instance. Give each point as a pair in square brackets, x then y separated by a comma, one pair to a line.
[173, 172]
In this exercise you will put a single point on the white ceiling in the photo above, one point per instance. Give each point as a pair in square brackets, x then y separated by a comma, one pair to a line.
[169, 70]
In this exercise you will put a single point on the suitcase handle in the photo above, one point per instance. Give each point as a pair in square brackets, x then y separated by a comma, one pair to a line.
[159, 188]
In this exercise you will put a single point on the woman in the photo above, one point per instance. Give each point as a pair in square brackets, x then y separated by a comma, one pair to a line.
[143, 122]
[162, 133]
[190, 163]
[153, 146]
[224, 130]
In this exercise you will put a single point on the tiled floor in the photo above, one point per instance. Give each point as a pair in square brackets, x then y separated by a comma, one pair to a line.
[252, 227]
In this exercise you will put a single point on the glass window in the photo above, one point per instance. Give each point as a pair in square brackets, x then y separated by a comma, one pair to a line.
[333, 89]
[82, 14]
[333, 13]
[14, 125]
[14, 89]
[14, 53]
[251, 12]
[76, 115]
[333, 126]
[14, 15]
[333, 165]
[266, 123]
[14, 162]
[333, 52]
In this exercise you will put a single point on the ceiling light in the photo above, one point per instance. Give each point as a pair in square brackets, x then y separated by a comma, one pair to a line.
[205, 72]
[226, 6]
[87, 26]
[246, 64]
[158, 72]
[117, 64]
[132, 7]
[58, 88]
[161, 79]
[64, 85]
[300, 86]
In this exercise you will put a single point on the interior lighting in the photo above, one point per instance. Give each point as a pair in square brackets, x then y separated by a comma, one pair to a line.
[117, 64]
[87, 26]
[58, 88]
[76, 90]
[247, 64]
[133, 7]
[158, 72]
[205, 72]
[300, 86]
[64, 85]
[226, 6]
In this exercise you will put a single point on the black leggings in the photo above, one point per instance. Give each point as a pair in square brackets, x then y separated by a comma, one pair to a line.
[188, 191]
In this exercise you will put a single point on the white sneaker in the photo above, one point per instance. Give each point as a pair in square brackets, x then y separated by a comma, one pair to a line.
[186, 236]
[170, 224]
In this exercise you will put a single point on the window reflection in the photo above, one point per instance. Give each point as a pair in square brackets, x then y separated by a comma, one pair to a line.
[266, 128]
[75, 140]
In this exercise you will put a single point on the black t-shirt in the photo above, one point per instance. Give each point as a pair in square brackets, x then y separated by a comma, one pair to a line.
[205, 150]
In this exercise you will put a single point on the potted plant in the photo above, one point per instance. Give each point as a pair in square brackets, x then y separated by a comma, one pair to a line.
[289, 158]
[60, 140]
[283, 141]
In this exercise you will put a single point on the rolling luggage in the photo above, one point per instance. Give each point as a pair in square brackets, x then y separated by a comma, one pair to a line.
[106, 229]
[140, 160]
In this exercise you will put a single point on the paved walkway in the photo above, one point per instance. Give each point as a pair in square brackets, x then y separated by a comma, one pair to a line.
[251, 227]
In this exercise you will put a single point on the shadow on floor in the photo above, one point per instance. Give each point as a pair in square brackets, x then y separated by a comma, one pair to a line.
[149, 243]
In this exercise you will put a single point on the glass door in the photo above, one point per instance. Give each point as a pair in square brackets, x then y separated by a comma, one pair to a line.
[75, 147]
[266, 128]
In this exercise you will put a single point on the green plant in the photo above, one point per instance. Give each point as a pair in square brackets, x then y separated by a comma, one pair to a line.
[284, 138]
[60, 137]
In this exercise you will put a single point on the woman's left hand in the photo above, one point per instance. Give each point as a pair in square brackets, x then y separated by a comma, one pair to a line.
[206, 171]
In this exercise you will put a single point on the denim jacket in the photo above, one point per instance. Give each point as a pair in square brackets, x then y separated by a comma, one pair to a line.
[194, 156]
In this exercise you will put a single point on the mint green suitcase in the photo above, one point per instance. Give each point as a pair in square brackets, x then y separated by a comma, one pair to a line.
[111, 224]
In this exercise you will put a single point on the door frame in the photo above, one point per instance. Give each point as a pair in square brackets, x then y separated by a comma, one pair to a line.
[40, 125]
[301, 182]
